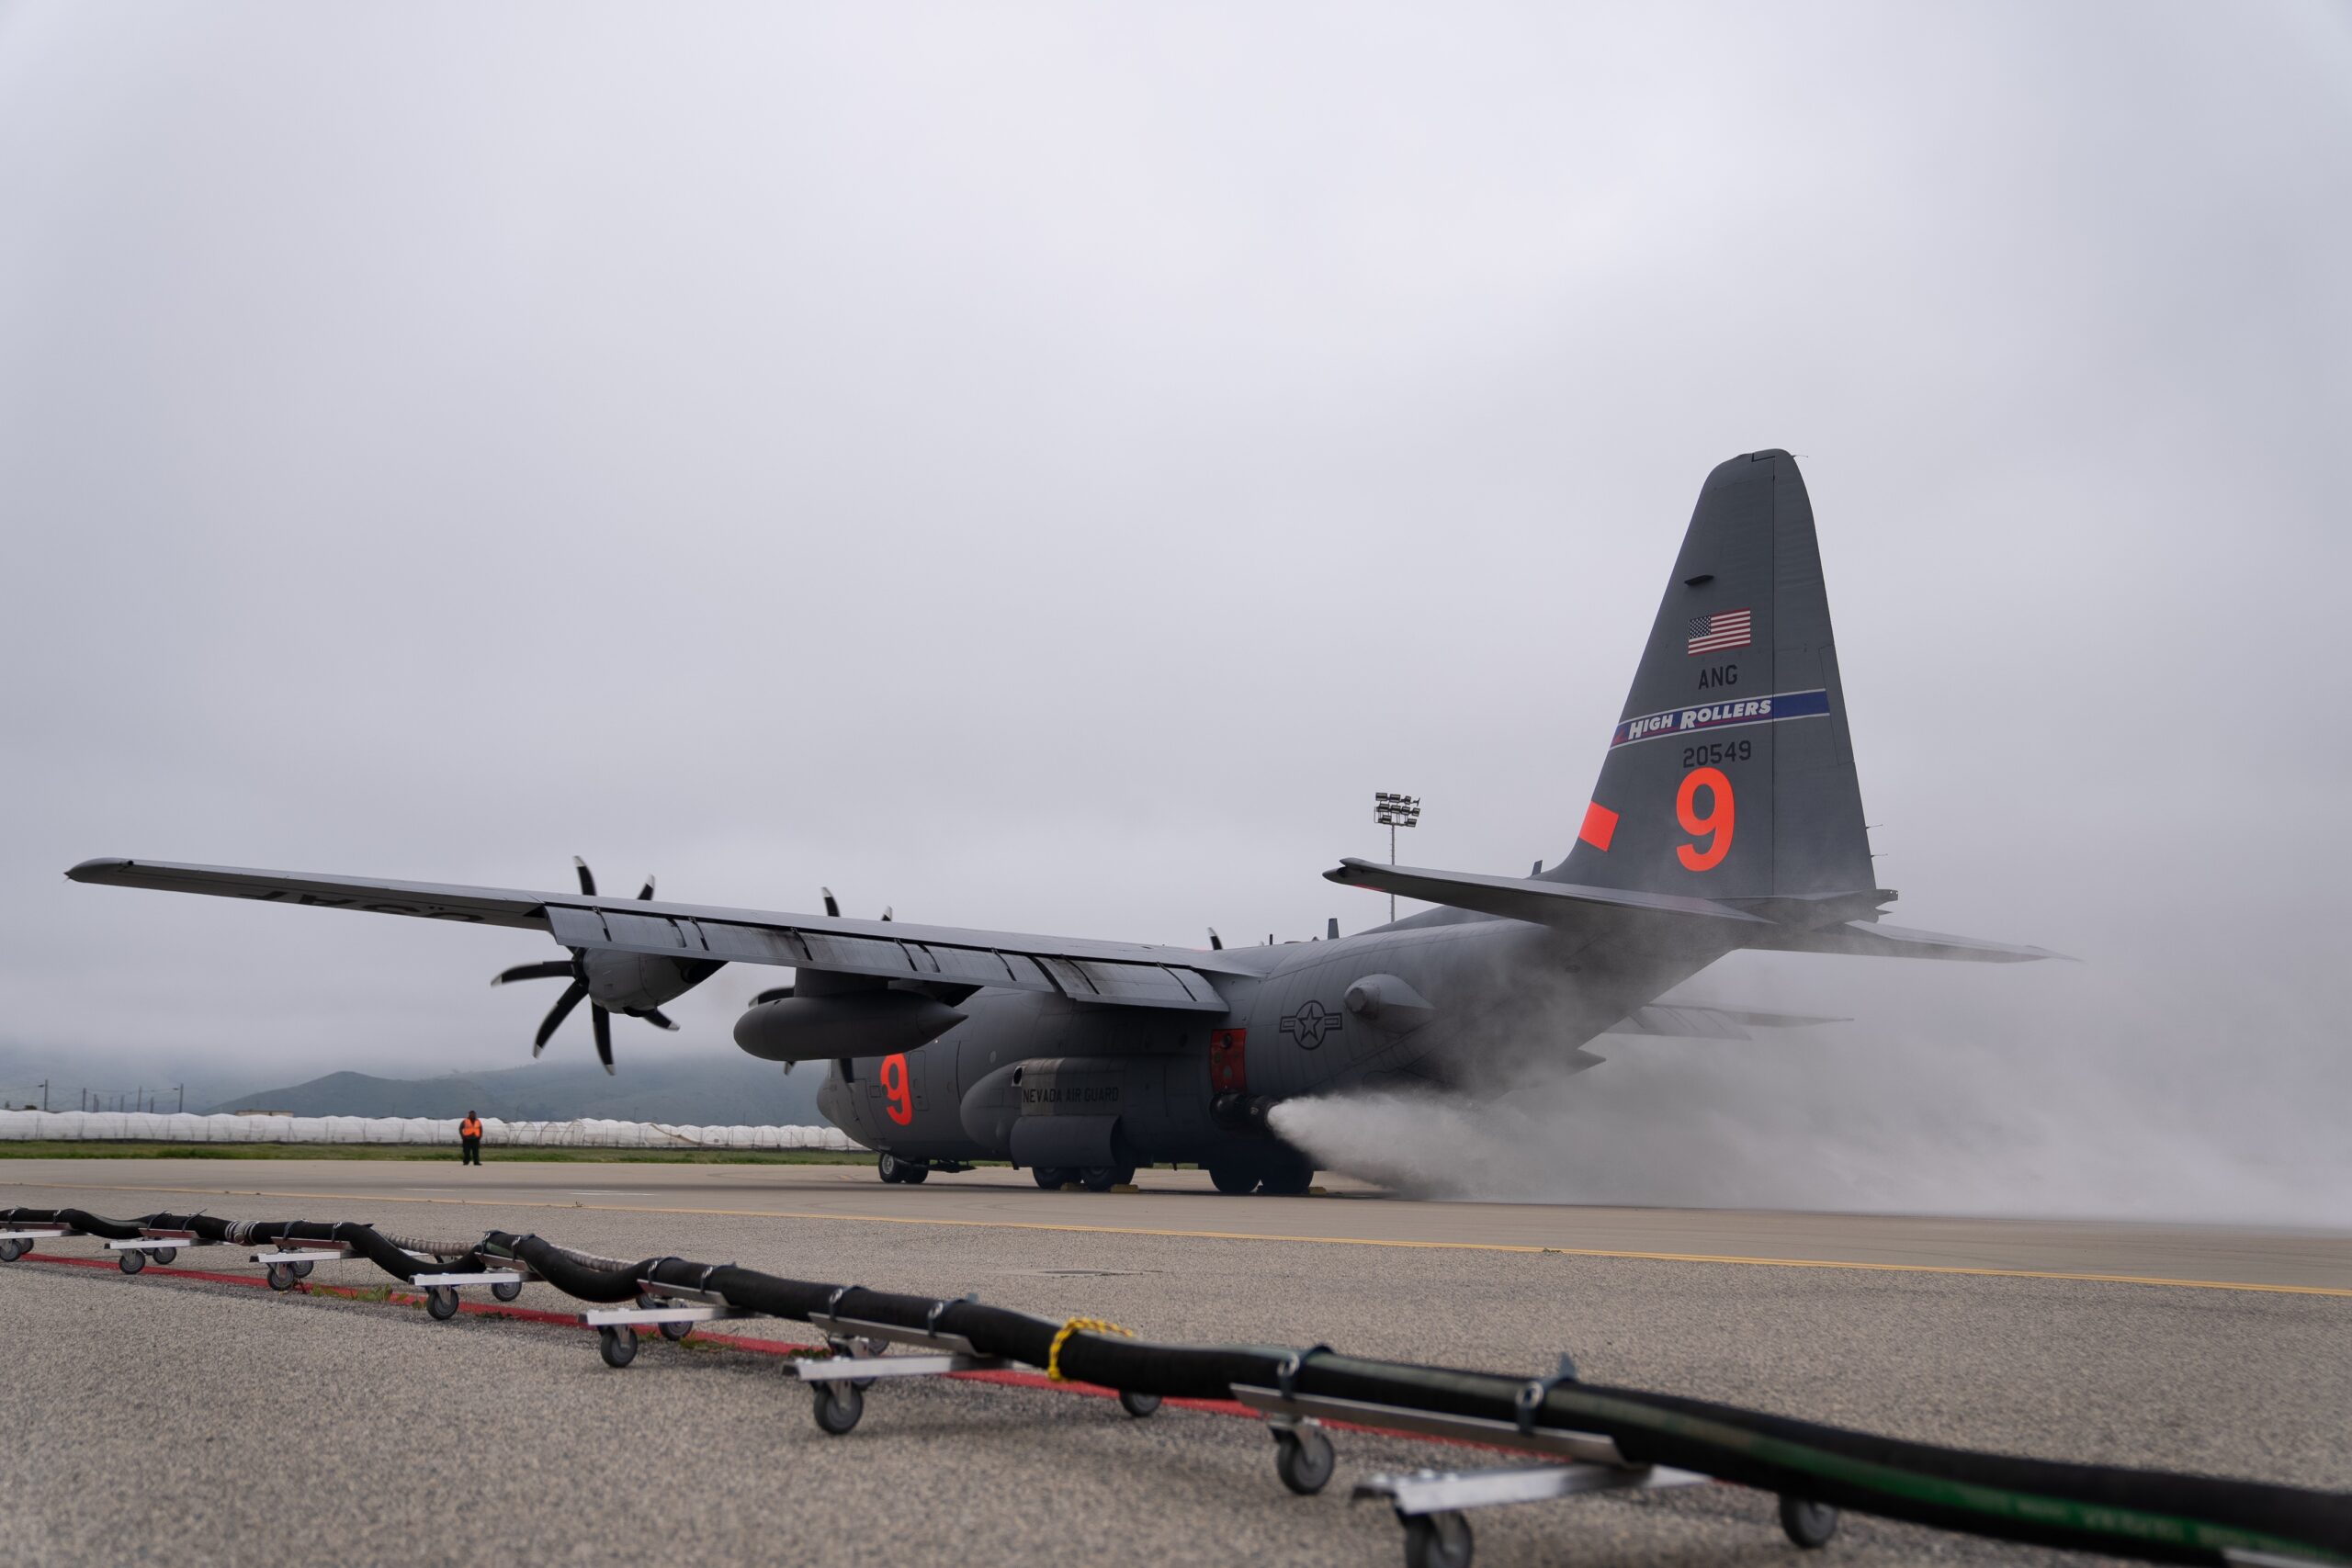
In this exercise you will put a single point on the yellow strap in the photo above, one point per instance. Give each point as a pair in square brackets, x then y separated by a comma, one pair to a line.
[1092, 1326]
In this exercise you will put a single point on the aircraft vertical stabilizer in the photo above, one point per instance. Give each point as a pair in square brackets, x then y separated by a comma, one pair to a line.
[1730, 775]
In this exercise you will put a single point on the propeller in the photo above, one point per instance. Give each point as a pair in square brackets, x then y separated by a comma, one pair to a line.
[575, 969]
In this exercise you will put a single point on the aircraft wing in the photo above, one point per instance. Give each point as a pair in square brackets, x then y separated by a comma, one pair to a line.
[1115, 973]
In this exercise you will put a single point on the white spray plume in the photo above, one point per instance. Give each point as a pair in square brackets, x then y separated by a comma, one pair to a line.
[2080, 1110]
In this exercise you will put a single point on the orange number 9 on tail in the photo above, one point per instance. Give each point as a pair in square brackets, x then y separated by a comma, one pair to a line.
[1716, 825]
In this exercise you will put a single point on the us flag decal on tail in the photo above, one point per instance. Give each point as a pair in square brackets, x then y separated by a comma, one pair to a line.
[1712, 634]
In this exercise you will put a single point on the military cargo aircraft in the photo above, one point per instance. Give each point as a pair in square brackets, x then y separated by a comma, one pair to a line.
[1727, 816]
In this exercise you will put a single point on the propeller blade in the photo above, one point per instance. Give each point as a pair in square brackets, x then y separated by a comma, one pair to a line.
[886, 911]
[603, 1024]
[657, 1019]
[647, 891]
[553, 969]
[557, 1014]
[587, 877]
[832, 904]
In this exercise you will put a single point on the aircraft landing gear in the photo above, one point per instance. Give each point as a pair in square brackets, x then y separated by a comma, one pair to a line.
[1287, 1175]
[1102, 1178]
[1233, 1180]
[1053, 1177]
[910, 1172]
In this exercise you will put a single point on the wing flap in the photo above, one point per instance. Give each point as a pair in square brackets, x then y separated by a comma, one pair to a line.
[1692, 1021]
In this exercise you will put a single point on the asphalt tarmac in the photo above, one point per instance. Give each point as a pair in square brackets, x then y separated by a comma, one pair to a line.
[177, 1417]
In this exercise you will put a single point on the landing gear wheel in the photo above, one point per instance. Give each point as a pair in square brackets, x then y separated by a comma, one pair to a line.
[134, 1261]
[1288, 1177]
[890, 1169]
[1303, 1458]
[616, 1342]
[302, 1269]
[281, 1276]
[507, 1290]
[674, 1332]
[916, 1173]
[165, 1254]
[839, 1404]
[441, 1301]
[1808, 1524]
[1437, 1540]
[1137, 1404]
[1102, 1178]
[1053, 1177]
[1233, 1180]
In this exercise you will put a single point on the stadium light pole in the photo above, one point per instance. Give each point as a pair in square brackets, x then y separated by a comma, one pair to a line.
[1391, 812]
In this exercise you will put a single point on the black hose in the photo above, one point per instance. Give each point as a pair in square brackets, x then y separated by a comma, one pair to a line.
[2153, 1514]
[77, 1219]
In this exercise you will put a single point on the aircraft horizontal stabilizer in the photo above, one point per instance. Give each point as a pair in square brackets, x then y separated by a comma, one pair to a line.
[1869, 940]
[1528, 898]
[1594, 911]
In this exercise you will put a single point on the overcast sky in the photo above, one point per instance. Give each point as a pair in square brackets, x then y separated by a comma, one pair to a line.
[1045, 467]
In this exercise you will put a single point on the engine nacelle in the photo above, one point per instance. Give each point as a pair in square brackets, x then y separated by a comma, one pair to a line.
[849, 1023]
[633, 982]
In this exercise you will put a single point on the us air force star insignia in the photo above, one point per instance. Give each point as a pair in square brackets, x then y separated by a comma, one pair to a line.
[1311, 1024]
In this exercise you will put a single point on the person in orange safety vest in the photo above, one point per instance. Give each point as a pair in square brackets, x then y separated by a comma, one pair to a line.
[470, 1138]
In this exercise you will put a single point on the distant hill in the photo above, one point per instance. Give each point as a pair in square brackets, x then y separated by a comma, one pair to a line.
[714, 1090]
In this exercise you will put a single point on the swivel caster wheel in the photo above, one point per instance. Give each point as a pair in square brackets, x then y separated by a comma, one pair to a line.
[1808, 1524]
[1137, 1404]
[281, 1276]
[616, 1342]
[11, 1250]
[165, 1254]
[302, 1269]
[507, 1290]
[839, 1404]
[847, 1350]
[1303, 1458]
[441, 1301]
[134, 1261]
[1437, 1540]
[674, 1332]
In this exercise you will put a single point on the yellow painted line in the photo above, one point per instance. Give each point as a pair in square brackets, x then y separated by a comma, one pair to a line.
[1239, 1235]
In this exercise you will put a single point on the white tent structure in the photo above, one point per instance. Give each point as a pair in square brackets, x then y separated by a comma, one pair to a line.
[589, 1132]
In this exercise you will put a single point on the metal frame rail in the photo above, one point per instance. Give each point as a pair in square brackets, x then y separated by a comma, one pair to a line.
[1432, 1504]
[286, 1265]
[837, 1381]
[131, 1256]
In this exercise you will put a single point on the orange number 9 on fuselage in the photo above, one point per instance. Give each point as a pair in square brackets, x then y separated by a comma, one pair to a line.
[1716, 825]
[896, 1100]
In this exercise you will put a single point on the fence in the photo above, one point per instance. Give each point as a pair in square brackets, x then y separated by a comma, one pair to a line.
[157, 1127]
